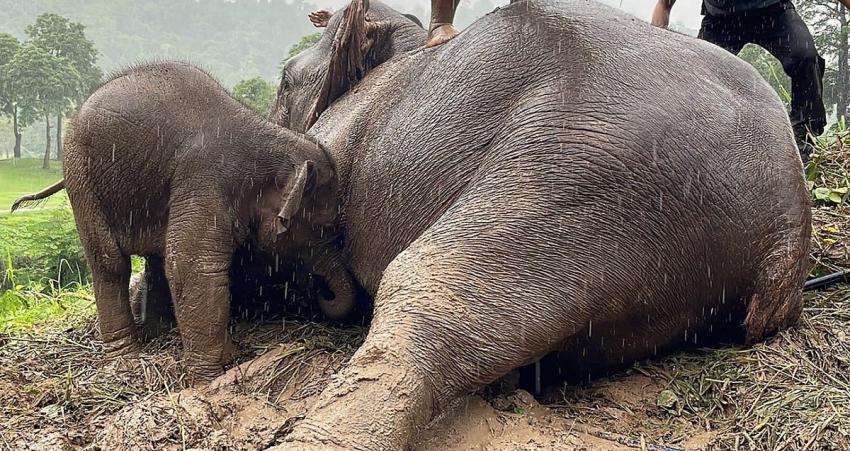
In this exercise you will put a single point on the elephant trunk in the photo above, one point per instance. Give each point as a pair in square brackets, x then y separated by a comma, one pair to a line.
[341, 300]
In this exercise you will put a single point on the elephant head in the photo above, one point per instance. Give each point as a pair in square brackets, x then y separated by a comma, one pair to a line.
[356, 40]
[298, 215]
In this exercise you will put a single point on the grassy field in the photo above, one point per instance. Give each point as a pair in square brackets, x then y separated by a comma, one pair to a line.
[41, 262]
[24, 176]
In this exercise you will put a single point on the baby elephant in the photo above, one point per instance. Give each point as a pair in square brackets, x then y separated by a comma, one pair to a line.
[162, 162]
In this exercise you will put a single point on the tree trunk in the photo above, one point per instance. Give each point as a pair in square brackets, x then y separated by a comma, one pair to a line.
[46, 163]
[843, 82]
[59, 137]
[17, 152]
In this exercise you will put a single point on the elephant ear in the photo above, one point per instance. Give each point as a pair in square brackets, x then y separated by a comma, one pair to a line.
[293, 195]
[348, 62]
[414, 19]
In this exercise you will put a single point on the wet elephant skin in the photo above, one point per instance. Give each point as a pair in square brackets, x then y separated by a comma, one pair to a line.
[162, 162]
[538, 184]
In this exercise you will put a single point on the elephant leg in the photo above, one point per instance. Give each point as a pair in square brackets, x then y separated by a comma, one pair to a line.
[110, 276]
[197, 266]
[456, 310]
[150, 300]
[111, 279]
[777, 301]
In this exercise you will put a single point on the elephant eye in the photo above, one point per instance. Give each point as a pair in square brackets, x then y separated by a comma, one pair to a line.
[284, 111]
[287, 82]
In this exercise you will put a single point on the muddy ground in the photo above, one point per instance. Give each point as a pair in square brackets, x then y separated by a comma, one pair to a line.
[250, 407]
[56, 394]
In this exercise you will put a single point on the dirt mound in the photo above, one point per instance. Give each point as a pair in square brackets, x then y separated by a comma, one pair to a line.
[790, 393]
[56, 393]
[71, 401]
[230, 415]
[193, 420]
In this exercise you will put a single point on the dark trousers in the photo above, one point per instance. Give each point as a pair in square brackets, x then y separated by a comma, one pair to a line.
[780, 30]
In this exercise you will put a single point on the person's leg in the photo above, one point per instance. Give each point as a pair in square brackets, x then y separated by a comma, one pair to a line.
[441, 29]
[724, 31]
[784, 34]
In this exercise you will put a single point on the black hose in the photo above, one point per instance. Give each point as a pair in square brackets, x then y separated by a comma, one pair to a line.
[827, 280]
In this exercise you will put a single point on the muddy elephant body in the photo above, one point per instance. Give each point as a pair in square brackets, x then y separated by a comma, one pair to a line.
[161, 162]
[553, 179]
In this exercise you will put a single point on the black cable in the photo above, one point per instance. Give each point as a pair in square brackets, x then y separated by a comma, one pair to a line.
[827, 280]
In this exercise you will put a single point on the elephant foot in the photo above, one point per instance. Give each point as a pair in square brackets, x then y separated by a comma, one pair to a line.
[440, 34]
[375, 403]
[204, 369]
[123, 355]
[126, 347]
[202, 374]
[125, 363]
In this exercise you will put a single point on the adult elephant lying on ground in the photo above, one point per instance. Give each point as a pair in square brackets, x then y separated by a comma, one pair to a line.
[161, 162]
[560, 177]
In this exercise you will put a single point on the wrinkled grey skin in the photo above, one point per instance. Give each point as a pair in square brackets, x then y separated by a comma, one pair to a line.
[161, 162]
[559, 177]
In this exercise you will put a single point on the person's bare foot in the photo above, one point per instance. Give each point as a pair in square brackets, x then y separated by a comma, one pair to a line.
[441, 34]
[320, 18]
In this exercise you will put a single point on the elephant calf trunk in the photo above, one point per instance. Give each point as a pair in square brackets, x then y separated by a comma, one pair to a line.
[341, 303]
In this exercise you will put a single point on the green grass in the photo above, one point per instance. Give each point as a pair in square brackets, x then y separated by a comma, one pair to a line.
[43, 275]
[44, 279]
[39, 248]
[24, 176]
[28, 310]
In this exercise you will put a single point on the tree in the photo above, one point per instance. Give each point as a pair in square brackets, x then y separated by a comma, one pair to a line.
[63, 38]
[255, 93]
[45, 85]
[9, 46]
[830, 21]
[770, 69]
[303, 44]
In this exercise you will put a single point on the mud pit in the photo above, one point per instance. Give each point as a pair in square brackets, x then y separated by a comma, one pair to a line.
[57, 394]
[252, 406]
[228, 418]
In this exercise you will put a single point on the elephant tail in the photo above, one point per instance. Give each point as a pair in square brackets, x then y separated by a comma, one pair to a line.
[33, 199]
